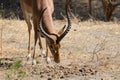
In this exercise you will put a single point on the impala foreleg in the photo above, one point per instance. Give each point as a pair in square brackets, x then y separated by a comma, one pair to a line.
[29, 32]
[35, 38]
[48, 60]
[29, 45]
[43, 52]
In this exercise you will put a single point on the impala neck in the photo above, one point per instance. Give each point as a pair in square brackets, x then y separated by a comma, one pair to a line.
[47, 20]
[47, 23]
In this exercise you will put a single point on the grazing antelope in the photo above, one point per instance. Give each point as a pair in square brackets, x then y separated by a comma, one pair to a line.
[41, 13]
[108, 6]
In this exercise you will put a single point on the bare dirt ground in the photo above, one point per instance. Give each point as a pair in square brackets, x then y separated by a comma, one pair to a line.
[91, 51]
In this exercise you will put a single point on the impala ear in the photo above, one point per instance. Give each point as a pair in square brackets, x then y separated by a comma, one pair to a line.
[62, 30]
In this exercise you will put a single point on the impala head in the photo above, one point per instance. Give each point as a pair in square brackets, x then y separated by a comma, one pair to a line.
[53, 40]
[54, 46]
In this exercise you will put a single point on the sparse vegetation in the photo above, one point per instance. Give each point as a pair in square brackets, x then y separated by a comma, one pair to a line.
[88, 40]
[77, 49]
[15, 72]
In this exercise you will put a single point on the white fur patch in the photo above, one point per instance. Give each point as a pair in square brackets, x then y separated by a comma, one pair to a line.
[43, 53]
[34, 62]
[48, 60]
[29, 56]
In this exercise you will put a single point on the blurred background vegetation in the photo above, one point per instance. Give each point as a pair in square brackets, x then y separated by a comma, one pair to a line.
[10, 9]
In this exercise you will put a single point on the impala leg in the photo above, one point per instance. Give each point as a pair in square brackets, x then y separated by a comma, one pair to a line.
[43, 52]
[29, 45]
[29, 42]
[27, 19]
[40, 43]
[35, 39]
[47, 54]
[34, 61]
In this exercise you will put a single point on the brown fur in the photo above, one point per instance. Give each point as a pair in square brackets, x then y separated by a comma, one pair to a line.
[32, 9]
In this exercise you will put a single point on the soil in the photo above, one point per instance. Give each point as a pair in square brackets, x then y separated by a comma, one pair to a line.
[90, 51]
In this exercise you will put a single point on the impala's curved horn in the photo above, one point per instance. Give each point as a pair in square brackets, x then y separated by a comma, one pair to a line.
[40, 29]
[69, 24]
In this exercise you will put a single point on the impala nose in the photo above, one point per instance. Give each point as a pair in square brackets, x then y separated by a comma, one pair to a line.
[57, 61]
[57, 58]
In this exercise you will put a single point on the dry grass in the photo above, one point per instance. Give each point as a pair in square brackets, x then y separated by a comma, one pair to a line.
[90, 44]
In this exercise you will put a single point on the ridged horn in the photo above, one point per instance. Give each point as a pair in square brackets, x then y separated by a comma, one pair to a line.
[41, 30]
[69, 24]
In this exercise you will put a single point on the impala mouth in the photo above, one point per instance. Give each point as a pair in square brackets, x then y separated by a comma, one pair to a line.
[57, 61]
[57, 58]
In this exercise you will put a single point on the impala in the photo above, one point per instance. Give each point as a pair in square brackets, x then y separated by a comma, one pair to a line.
[108, 6]
[40, 11]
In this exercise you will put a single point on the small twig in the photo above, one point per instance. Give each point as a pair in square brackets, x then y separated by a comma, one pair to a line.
[98, 48]
[93, 18]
